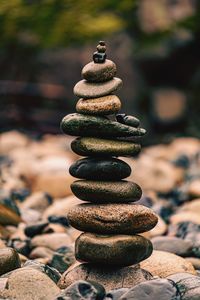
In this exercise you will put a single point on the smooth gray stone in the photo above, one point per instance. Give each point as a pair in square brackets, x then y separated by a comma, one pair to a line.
[85, 89]
[156, 289]
[85, 125]
[95, 72]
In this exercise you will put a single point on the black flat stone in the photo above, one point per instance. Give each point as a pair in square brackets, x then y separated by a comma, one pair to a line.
[101, 168]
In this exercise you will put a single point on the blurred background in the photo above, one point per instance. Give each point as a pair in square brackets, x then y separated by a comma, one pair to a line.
[155, 44]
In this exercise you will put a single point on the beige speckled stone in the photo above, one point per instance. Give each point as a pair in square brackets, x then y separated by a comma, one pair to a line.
[164, 264]
[95, 72]
[112, 218]
[110, 278]
[9, 260]
[106, 105]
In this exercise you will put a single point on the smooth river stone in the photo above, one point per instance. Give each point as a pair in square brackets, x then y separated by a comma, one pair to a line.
[94, 72]
[101, 168]
[85, 89]
[106, 191]
[88, 146]
[85, 125]
[112, 218]
[117, 250]
[106, 105]
[9, 260]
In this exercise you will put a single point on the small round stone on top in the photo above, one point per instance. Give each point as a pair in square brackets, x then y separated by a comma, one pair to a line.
[100, 56]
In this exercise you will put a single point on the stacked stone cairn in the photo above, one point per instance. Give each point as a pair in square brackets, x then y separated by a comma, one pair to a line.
[110, 222]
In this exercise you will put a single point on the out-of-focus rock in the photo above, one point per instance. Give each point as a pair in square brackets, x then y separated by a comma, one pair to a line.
[12, 139]
[52, 241]
[159, 229]
[163, 264]
[185, 216]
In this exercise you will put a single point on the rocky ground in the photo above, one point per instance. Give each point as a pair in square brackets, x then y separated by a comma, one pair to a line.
[36, 241]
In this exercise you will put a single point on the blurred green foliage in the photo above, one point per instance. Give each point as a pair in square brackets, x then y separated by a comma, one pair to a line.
[57, 23]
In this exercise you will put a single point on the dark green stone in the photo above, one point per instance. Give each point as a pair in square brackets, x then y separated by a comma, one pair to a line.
[106, 191]
[88, 146]
[100, 168]
[87, 125]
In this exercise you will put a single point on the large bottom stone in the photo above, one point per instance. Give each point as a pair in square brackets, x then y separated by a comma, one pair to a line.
[116, 250]
[110, 278]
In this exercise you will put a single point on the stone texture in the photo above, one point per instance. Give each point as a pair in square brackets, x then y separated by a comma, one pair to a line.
[9, 260]
[188, 285]
[112, 218]
[98, 147]
[29, 284]
[83, 290]
[153, 289]
[106, 105]
[106, 191]
[94, 72]
[85, 89]
[100, 169]
[128, 120]
[85, 125]
[164, 264]
[116, 250]
[110, 278]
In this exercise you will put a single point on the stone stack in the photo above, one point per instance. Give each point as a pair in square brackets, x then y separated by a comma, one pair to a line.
[110, 221]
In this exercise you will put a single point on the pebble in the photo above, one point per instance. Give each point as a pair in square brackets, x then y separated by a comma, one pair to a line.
[128, 120]
[101, 168]
[29, 284]
[185, 216]
[38, 201]
[164, 264]
[88, 146]
[41, 252]
[60, 207]
[85, 89]
[44, 268]
[159, 288]
[116, 250]
[83, 290]
[94, 72]
[8, 216]
[110, 278]
[106, 105]
[36, 229]
[62, 259]
[188, 285]
[116, 294]
[52, 241]
[9, 260]
[194, 261]
[159, 229]
[121, 219]
[191, 206]
[106, 191]
[173, 245]
[194, 188]
[85, 125]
